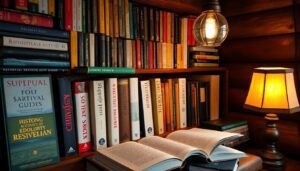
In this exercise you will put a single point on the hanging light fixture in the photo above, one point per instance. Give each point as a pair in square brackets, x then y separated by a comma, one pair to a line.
[210, 28]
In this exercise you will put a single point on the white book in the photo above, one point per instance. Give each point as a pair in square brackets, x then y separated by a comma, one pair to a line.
[111, 85]
[43, 6]
[147, 107]
[158, 114]
[182, 102]
[164, 54]
[98, 118]
[184, 23]
[79, 15]
[74, 15]
[134, 108]
[129, 53]
[33, 43]
[92, 49]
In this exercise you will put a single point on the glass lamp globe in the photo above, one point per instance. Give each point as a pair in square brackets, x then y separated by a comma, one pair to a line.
[210, 28]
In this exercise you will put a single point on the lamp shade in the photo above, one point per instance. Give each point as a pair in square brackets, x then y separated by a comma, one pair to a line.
[272, 89]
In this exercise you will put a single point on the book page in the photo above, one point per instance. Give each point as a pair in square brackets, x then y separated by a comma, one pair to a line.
[134, 155]
[180, 150]
[203, 139]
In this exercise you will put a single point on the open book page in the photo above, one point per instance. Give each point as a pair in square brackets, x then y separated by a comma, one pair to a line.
[180, 150]
[136, 156]
[204, 139]
[222, 153]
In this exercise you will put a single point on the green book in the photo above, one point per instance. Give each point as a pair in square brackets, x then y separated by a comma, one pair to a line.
[104, 70]
[223, 124]
[29, 121]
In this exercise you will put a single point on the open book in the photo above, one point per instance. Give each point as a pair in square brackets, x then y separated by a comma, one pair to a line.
[157, 153]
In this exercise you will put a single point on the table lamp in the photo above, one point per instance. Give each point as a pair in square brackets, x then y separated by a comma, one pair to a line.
[272, 91]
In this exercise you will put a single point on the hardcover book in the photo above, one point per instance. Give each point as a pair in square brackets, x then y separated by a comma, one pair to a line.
[29, 121]
[157, 153]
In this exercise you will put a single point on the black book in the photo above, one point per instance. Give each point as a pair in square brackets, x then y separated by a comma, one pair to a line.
[108, 51]
[94, 16]
[136, 20]
[151, 24]
[120, 53]
[189, 104]
[204, 111]
[33, 6]
[146, 54]
[228, 165]
[157, 25]
[146, 23]
[29, 36]
[81, 47]
[60, 15]
[102, 50]
[86, 49]
[141, 22]
[88, 14]
[97, 52]
[65, 117]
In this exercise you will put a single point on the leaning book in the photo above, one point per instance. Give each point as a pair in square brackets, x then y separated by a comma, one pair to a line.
[157, 153]
[28, 121]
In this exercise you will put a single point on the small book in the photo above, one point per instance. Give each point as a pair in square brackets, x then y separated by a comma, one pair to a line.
[229, 165]
[223, 124]
[157, 153]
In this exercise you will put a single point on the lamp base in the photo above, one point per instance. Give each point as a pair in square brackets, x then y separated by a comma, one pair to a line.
[272, 158]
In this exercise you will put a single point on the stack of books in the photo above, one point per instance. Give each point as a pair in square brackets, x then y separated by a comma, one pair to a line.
[230, 125]
[203, 56]
[177, 150]
[31, 48]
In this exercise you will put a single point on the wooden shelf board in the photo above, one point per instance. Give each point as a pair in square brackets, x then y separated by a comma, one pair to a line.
[174, 71]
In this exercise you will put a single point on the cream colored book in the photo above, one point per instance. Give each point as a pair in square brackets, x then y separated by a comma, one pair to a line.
[134, 108]
[157, 153]
[157, 107]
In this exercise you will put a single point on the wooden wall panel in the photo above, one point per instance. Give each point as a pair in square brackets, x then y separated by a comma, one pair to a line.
[236, 99]
[289, 140]
[265, 23]
[237, 7]
[279, 48]
[297, 17]
[180, 6]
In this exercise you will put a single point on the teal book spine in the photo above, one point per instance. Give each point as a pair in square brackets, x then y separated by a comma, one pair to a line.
[104, 70]
[29, 117]
[131, 19]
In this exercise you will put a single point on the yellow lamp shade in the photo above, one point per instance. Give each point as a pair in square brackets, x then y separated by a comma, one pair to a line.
[272, 89]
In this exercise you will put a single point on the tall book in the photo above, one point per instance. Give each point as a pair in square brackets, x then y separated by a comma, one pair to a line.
[157, 106]
[82, 116]
[146, 111]
[66, 117]
[29, 121]
[182, 102]
[112, 106]
[124, 111]
[98, 117]
[134, 108]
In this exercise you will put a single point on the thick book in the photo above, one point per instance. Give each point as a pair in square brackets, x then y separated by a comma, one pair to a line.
[12, 62]
[29, 120]
[228, 165]
[224, 124]
[104, 70]
[157, 153]
[66, 117]
[134, 108]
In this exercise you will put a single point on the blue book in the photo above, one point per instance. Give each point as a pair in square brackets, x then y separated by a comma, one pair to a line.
[26, 29]
[9, 62]
[28, 117]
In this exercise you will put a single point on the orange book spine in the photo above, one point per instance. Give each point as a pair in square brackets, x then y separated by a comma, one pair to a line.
[167, 106]
[74, 49]
[163, 97]
[101, 17]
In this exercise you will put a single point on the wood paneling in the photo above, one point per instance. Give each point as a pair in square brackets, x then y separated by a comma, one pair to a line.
[180, 6]
[237, 7]
[297, 18]
[279, 48]
[265, 23]
[289, 140]
[236, 99]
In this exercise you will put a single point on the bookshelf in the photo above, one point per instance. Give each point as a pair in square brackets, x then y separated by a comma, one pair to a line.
[77, 162]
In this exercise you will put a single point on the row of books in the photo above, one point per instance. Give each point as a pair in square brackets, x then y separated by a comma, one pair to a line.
[36, 6]
[27, 48]
[203, 56]
[119, 113]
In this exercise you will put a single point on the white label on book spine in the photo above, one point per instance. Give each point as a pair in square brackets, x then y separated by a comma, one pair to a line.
[182, 102]
[147, 107]
[82, 117]
[134, 108]
[34, 43]
[112, 111]
[98, 114]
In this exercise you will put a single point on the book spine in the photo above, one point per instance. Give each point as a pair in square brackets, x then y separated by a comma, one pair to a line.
[98, 118]
[95, 15]
[84, 16]
[33, 5]
[31, 19]
[134, 108]
[151, 24]
[128, 53]
[136, 21]
[116, 18]
[78, 12]
[157, 106]
[108, 51]
[91, 50]
[33, 53]
[69, 143]
[182, 102]
[33, 62]
[82, 116]
[145, 19]
[147, 107]
[127, 19]
[51, 7]
[131, 20]
[33, 43]
[60, 15]
[30, 69]
[73, 17]
[124, 111]
[114, 52]
[102, 49]
[86, 49]
[74, 49]
[21, 4]
[101, 17]
[107, 18]
[112, 111]
[43, 6]
[122, 32]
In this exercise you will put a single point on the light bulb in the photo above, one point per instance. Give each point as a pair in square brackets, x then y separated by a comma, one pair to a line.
[211, 30]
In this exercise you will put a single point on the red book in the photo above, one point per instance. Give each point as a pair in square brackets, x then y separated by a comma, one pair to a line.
[165, 27]
[21, 4]
[68, 15]
[151, 56]
[190, 36]
[138, 54]
[25, 18]
[82, 117]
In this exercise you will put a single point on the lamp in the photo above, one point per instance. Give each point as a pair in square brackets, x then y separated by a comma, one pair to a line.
[210, 27]
[272, 90]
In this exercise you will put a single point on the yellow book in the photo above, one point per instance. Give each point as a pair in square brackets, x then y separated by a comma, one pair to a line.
[51, 7]
[101, 17]
[74, 50]
[156, 95]
[116, 18]
[107, 18]
[179, 56]
[167, 106]
[170, 56]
